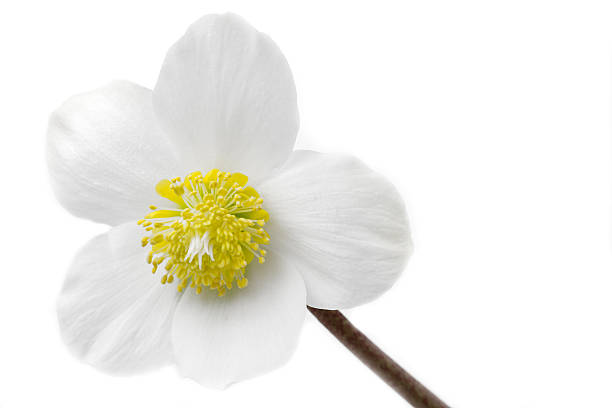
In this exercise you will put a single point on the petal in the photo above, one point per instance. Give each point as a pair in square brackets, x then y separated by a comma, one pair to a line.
[113, 312]
[343, 226]
[226, 92]
[106, 153]
[222, 340]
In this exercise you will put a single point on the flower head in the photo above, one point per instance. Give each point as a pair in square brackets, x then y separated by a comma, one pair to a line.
[200, 184]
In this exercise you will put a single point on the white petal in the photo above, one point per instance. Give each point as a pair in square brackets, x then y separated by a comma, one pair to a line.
[226, 91]
[222, 340]
[106, 153]
[343, 226]
[113, 312]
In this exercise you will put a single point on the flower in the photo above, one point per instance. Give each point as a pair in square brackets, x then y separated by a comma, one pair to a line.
[333, 233]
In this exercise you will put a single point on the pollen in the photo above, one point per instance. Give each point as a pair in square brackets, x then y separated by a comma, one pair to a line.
[208, 234]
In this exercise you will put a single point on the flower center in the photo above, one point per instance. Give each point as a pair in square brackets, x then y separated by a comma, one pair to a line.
[212, 236]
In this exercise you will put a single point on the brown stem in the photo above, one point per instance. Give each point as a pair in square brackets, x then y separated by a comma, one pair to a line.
[395, 376]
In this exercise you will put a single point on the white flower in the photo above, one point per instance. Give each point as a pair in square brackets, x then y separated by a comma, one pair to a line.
[225, 99]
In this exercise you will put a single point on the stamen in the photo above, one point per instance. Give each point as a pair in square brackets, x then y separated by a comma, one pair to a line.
[212, 236]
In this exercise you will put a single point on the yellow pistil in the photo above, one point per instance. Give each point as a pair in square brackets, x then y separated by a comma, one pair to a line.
[212, 236]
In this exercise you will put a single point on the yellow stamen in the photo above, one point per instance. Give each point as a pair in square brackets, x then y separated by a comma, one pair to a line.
[211, 232]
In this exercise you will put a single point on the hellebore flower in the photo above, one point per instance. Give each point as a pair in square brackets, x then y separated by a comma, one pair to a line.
[200, 183]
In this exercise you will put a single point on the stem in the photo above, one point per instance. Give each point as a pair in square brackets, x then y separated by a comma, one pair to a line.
[388, 370]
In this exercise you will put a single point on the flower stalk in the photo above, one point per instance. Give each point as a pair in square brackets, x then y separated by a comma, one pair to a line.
[372, 356]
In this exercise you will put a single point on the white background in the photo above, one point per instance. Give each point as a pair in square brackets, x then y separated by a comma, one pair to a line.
[492, 118]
